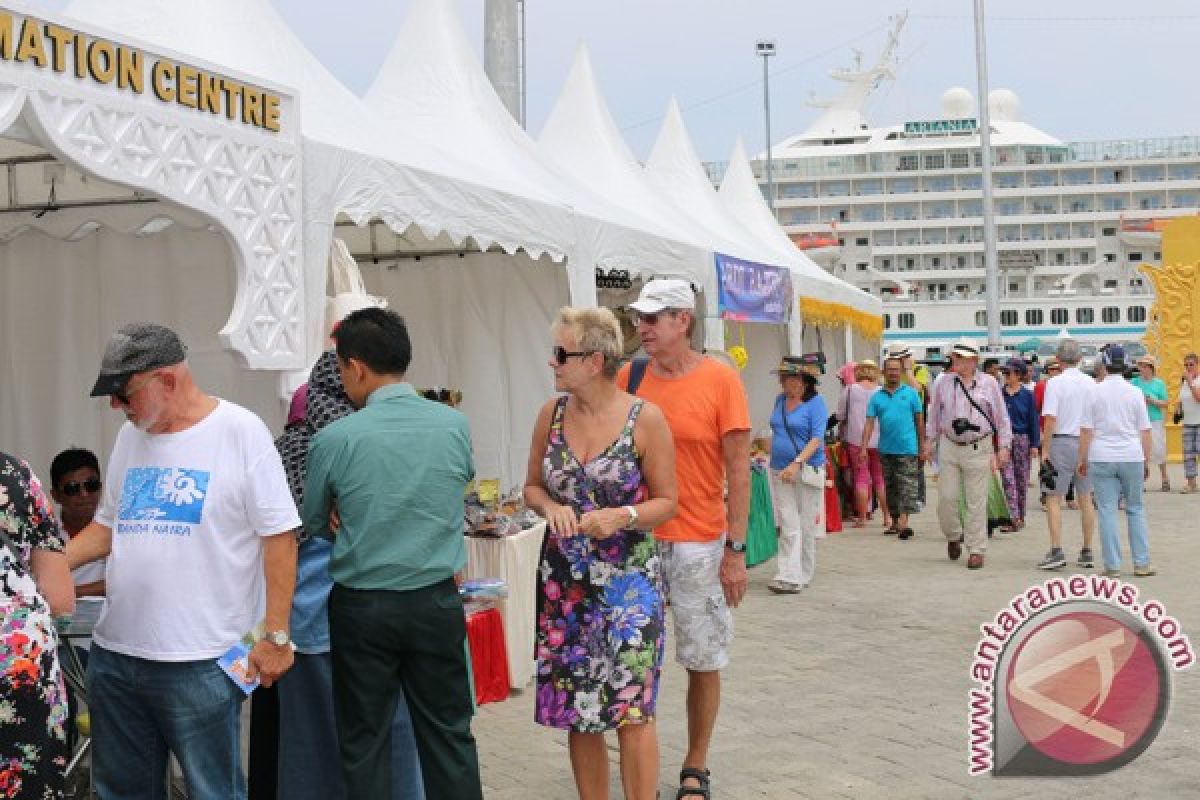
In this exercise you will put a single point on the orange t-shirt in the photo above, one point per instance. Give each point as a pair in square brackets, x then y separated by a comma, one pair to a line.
[701, 407]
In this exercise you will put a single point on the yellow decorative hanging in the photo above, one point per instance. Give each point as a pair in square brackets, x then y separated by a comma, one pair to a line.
[739, 353]
[825, 314]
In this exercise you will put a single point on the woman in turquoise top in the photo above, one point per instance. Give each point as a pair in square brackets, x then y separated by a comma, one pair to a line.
[1157, 399]
[797, 441]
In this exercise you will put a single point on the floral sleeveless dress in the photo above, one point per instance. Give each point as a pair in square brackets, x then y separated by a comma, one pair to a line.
[600, 628]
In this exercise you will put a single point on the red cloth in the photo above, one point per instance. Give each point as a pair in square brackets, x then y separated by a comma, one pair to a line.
[489, 658]
[833, 502]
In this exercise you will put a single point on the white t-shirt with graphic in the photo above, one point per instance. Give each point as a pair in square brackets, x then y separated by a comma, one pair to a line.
[187, 510]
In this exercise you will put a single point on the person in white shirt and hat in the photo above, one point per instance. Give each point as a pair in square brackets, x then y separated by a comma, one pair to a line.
[968, 425]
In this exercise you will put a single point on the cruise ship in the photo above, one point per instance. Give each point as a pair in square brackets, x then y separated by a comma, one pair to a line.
[897, 211]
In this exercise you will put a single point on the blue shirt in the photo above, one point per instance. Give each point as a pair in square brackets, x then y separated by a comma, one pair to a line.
[397, 471]
[806, 421]
[893, 412]
[1023, 414]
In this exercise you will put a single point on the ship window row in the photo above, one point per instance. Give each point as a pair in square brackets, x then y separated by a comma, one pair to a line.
[1109, 315]
[1038, 179]
[1033, 232]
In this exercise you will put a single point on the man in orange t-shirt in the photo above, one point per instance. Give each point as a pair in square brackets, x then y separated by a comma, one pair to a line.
[703, 548]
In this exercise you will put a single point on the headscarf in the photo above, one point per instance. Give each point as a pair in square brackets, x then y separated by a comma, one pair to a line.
[326, 402]
[846, 373]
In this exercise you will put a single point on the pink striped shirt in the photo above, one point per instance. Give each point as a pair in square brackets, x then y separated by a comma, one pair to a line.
[948, 402]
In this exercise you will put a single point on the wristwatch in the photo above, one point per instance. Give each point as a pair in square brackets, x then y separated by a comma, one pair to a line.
[737, 547]
[278, 638]
[633, 516]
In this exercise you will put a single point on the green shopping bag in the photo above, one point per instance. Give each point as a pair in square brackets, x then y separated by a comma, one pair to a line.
[997, 503]
[761, 542]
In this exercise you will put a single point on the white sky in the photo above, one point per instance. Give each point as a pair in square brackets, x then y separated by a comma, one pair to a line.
[1084, 69]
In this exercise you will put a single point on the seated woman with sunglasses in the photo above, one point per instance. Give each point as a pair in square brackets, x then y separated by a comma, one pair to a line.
[75, 486]
[602, 473]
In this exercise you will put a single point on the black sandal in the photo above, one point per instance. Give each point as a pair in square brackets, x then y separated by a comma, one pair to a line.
[905, 533]
[700, 775]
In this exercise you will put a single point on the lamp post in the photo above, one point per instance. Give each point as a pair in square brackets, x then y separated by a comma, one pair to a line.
[766, 49]
[990, 265]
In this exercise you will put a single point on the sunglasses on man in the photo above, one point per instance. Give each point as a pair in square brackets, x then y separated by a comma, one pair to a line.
[561, 354]
[75, 488]
[125, 393]
[652, 319]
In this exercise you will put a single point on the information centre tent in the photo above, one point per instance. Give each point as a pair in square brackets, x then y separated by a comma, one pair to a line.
[132, 193]
[484, 317]
[767, 327]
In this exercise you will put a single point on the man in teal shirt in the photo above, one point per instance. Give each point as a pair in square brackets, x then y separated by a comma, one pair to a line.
[1155, 390]
[896, 408]
[386, 483]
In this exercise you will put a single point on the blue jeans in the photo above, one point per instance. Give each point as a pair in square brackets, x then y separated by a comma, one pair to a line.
[1110, 482]
[308, 745]
[143, 709]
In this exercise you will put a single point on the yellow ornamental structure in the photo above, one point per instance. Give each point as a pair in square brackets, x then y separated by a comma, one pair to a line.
[1172, 332]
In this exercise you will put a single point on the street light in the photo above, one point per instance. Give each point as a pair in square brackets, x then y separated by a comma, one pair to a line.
[766, 49]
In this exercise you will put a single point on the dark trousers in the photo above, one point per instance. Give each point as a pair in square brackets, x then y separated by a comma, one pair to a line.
[384, 641]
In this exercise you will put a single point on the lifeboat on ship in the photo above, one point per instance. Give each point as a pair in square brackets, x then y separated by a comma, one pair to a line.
[821, 246]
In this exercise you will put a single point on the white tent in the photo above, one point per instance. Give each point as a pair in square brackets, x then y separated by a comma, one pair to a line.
[431, 87]
[581, 140]
[675, 168]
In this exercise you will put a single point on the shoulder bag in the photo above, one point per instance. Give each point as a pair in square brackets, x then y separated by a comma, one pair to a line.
[809, 475]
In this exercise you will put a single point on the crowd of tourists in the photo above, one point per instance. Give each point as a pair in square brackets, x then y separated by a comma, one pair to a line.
[341, 544]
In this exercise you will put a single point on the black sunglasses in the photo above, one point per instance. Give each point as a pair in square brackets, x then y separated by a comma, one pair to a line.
[73, 488]
[561, 354]
[125, 393]
[652, 319]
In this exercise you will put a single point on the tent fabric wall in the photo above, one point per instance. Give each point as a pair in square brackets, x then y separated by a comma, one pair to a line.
[60, 301]
[480, 323]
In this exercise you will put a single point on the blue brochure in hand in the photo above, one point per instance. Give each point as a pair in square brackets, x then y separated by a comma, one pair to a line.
[235, 663]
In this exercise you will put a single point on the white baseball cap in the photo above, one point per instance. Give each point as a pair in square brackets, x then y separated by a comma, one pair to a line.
[660, 294]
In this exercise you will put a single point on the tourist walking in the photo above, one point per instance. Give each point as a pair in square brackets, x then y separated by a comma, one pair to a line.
[35, 587]
[1114, 451]
[969, 428]
[602, 473]
[1188, 413]
[896, 409]
[395, 472]
[1027, 438]
[1157, 399]
[1062, 414]
[867, 472]
[797, 475]
[704, 546]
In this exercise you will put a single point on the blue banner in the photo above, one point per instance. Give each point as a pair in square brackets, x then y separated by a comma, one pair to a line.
[751, 292]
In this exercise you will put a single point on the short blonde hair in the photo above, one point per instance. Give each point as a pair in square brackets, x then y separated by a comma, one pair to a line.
[596, 330]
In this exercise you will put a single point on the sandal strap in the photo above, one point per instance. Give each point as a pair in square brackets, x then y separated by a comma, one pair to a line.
[702, 776]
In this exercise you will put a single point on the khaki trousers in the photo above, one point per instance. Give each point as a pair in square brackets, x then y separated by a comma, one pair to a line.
[964, 469]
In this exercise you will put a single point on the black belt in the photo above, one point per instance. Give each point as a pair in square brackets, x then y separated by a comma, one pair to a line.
[1066, 436]
[968, 444]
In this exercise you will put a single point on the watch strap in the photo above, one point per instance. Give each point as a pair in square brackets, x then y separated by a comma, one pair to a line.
[737, 547]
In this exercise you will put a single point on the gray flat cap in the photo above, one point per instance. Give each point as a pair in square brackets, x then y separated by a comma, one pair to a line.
[136, 347]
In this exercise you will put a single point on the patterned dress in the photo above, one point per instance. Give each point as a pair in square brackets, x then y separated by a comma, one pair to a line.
[600, 610]
[33, 700]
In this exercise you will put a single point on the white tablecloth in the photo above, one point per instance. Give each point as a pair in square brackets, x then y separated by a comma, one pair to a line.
[515, 559]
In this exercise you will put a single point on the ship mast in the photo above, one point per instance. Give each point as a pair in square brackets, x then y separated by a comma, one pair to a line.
[990, 265]
[844, 113]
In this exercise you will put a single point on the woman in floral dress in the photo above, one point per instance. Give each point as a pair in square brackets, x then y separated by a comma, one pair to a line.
[35, 584]
[602, 473]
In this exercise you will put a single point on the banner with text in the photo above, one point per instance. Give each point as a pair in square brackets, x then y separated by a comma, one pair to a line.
[751, 292]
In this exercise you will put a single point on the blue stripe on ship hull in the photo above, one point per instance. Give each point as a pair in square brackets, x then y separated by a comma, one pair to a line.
[1019, 334]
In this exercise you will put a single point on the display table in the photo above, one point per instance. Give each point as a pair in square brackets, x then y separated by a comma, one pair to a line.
[489, 660]
[761, 542]
[515, 559]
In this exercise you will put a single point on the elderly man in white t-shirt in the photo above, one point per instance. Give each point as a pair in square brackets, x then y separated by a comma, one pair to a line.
[198, 526]
[1114, 451]
[1062, 416]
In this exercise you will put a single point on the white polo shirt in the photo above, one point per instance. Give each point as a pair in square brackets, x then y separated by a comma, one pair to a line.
[1116, 413]
[1066, 395]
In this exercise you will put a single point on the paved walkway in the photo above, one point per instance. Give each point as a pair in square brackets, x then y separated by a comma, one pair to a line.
[857, 687]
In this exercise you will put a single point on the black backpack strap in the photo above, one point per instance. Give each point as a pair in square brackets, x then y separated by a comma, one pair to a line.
[637, 371]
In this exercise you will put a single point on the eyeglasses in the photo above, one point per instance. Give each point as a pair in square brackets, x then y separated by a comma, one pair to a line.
[74, 488]
[652, 319]
[125, 393]
[561, 354]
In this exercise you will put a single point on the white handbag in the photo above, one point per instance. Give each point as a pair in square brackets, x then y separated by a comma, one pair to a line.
[812, 476]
